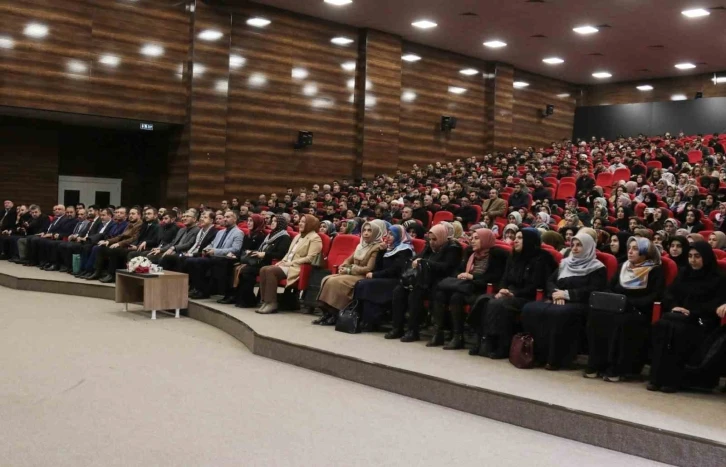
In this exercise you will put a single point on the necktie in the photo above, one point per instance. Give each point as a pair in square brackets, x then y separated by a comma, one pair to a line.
[202, 233]
[224, 237]
[78, 228]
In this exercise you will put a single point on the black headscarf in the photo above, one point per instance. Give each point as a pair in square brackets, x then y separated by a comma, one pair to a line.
[622, 254]
[709, 270]
[531, 243]
[681, 260]
[699, 291]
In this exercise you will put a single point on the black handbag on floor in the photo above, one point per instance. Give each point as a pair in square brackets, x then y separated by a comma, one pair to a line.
[349, 319]
[608, 302]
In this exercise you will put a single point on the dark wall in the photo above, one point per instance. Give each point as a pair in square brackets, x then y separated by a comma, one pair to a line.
[706, 115]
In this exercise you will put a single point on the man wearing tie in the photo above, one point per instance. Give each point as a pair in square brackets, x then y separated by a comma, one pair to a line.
[115, 225]
[48, 254]
[217, 260]
[176, 260]
[26, 246]
[65, 250]
[181, 243]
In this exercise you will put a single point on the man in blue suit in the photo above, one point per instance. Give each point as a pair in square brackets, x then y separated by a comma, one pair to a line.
[208, 274]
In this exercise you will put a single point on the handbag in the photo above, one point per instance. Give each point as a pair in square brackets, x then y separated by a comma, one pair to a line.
[249, 260]
[349, 319]
[521, 351]
[409, 277]
[608, 302]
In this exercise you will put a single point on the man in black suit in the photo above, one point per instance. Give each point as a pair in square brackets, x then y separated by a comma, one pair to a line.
[175, 260]
[57, 251]
[38, 248]
[8, 217]
[76, 245]
[48, 254]
[28, 223]
[26, 246]
[181, 243]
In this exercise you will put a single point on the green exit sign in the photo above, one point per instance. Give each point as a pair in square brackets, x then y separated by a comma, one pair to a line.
[147, 126]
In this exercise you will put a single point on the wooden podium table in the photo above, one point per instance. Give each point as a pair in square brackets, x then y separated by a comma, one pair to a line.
[167, 291]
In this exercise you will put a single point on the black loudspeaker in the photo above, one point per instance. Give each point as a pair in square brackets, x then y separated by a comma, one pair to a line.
[549, 110]
[699, 95]
[304, 139]
[448, 123]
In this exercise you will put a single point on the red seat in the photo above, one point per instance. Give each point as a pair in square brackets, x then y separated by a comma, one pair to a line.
[443, 216]
[695, 157]
[670, 271]
[720, 254]
[705, 233]
[477, 208]
[621, 174]
[640, 209]
[708, 223]
[342, 247]
[568, 180]
[431, 218]
[418, 245]
[566, 190]
[654, 164]
[555, 254]
[604, 179]
[610, 262]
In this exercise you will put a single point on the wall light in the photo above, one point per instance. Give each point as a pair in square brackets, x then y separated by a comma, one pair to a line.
[585, 30]
[644, 87]
[520, 84]
[299, 73]
[424, 24]
[109, 60]
[342, 40]
[602, 75]
[469, 71]
[210, 35]
[411, 58]
[456, 90]
[495, 44]
[258, 22]
[36, 30]
[348, 66]
[678, 97]
[237, 61]
[152, 50]
[6, 42]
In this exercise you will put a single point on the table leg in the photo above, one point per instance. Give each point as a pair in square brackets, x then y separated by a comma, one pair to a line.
[126, 307]
[177, 313]
[153, 314]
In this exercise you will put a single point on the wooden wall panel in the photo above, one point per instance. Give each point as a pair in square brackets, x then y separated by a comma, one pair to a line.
[69, 70]
[284, 78]
[426, 96]
[502, 115]
[626, 93]
[529, 127]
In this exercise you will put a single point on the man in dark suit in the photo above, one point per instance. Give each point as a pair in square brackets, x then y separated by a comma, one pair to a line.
[8, 216]
[182, 241]
[176, 260]
[27, 247]
[31, 223]
[113, 224]
[50, 257]
[38, 250]
[104, 251]
[75, 243]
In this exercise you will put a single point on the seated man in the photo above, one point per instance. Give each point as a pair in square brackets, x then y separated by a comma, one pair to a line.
[28, 247]
[10, 228]
[176, 259]
[31, 223]
[90, 246]
[97, 219]
[50, 257]
[8, 216]
[182, 241]
[217, 259]
[116, 248]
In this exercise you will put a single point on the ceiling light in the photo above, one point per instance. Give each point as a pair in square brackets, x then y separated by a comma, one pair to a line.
[553, 61]
[77, 66]
[6, 42]
[310, 89]
[456, 90]
[110, 60]
[210, 35]
[678, 97]
[495, 44]
[351, 83]
[237, 61]
[520, 84]
[719, 80]
[644, 87]
[411, 58]
[258, 22]
[348, 66]
[299, 73]
[257, 79]
[198, 69]
[341, 40]
[424, 24]
[586, 30]
[408, 96]
[602, 75]
[339, 2]
[322, 103]
[152, 50]
[685, 66]
[695, 13]
[222, 86]
[468, 71]
[563, 95]
[36, 30]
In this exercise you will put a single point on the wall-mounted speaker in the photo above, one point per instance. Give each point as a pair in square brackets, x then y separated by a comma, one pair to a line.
[448, 123]
[549, 110]
[304, 139]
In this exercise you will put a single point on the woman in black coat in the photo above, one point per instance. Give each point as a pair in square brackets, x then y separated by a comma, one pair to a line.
[526, 271]
[375, 292]
[273, 247]
[556, 324]
[438, 260]
[618, 342]
[678, 250]
[689, 315]
[485, 265]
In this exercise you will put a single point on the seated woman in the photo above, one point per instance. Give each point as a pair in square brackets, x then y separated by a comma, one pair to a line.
[337, 290]
[618, 342]
[375, 292]
[556, 323]
[617, 247]
[717, 240]
[509, 233]
[305, 249]
[441, 257]
[553, 239]
[526, 271]
[488, 222]
[543, 221]
[485, 265]
[515, 218]
[689, 315]
[693, 222]
[678, 250]
[328, 228]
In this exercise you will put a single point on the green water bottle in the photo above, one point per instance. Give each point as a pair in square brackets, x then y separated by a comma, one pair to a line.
[76, 264]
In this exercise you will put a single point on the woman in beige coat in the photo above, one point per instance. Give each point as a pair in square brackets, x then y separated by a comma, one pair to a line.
[337, 290]
[305, 249]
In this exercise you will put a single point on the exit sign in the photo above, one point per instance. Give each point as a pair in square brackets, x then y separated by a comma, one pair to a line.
[147, 126]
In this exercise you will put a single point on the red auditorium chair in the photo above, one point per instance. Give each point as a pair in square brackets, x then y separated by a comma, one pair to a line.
[708, 223]
[604, 179]
[477, 208]
[720, 254]
[418, 245]
[431, 219]
[342, 247]
[705, 233]
[610, 262]
[695, 157]
[443, 216]
[654, 164]
[621, 174]
[568, 180]
[566, 190]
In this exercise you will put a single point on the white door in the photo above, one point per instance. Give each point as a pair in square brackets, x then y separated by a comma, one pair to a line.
[89, 190]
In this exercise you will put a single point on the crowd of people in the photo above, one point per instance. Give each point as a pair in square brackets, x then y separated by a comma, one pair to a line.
[521, 241]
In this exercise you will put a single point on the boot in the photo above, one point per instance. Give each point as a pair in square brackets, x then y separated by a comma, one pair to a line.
[456, 342]
[438, 314]
[394, 333]
[323, 318]
[457, 323]
[411, 336]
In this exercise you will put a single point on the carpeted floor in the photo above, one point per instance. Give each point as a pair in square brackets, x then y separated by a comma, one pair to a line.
[85, 384]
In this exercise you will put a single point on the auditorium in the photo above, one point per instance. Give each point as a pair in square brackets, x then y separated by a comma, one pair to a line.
[478, 232]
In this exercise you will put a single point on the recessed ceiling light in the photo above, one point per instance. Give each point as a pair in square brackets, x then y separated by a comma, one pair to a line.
[36, 30]
[411, 58]
[351, 83]
[408, 96]
[257, 79]
[520, 84]
[644, 87]
[339, 2]
[585, 29]
[258, 22]
[719, 80]
[210, 35]
[341, 40]
[495, 44]
[110, 60]
[222, 86]
[685, 66]
[678, 97]
[152, 50]
[299, 73]
[456, 90]
[198, 69]
[77, 66]
[553, 61]
[602, 75]
[310, 89]
[348, 66]
[468, 71]
[237, 61]
[6, 42]
[563, 95]
[322, 103]
[424, 24]
[695, 13]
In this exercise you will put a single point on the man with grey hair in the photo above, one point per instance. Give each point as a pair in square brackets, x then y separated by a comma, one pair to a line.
[182, 242]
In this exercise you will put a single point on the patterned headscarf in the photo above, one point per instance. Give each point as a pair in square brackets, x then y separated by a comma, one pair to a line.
[401, 240]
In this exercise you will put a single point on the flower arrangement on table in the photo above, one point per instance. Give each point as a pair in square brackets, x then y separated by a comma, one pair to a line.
[139, 265]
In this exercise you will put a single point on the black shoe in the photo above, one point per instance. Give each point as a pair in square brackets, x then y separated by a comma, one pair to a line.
[411, 336]
[456, 343]
[64, 269]
[330, 321]
[107, 279]
[52, 268]
[95, 275]
[197, 295]
[395, 333]
[322, 318]
[436, 340]
[668, 389]
[226, 300]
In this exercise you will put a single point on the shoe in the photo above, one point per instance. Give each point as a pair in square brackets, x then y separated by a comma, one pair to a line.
[95, 275]
[197, 295]
[65, 269]
[395, 333]
[652, 387]
[456, 343]
[549, 367]
[668, 389]
[27, 264]
[411, 336]
[267, 309]
[226, 300]
[436, 340]
[590, 374]
[331, 320]
[52, 268]
[612, 379]
[322, 319]
[107, 279]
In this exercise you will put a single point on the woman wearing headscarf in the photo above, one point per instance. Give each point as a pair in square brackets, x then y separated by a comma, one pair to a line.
[328, 228]
[509, 233]
[414, 229]
[515, 218]
[336, 291]
[556, 324]
[305, 249]
[347, 226]
[437, 261]
[526, 270]
[484, 265]
[553, 239]
[656, 218]
[618, 342]
[375, 292]
[678, 250]
[256, 235]
[694, 237]
[458, 230]
[689, 315]
[542, 221]
[717, 240]
[693, 222]
[272, 248]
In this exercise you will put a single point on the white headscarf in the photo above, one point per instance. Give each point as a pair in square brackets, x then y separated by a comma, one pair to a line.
[364, 248]
[584, 263]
